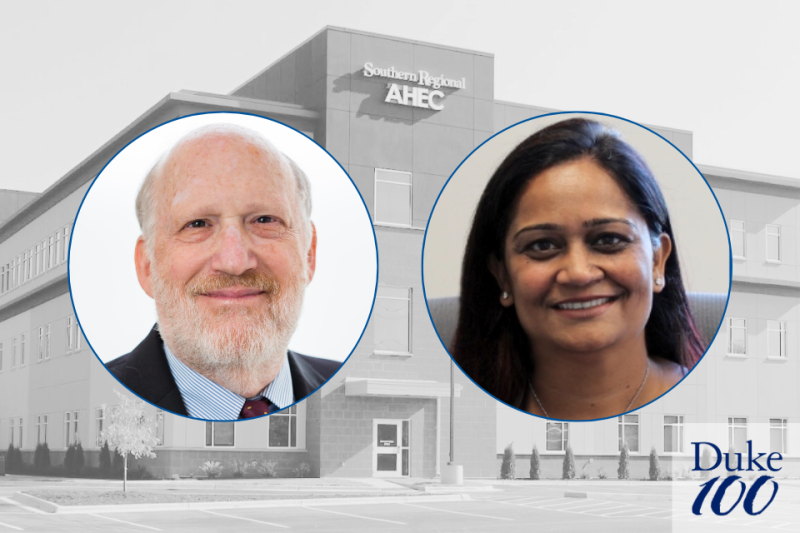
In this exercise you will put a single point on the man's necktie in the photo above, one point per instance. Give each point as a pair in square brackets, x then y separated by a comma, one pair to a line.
[254, 408]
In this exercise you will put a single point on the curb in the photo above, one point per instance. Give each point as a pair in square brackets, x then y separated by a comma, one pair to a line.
[49, 507]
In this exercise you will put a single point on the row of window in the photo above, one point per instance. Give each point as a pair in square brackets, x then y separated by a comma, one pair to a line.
[35, 261]
[17, 353]
[557, 437]
[392, 320]
[739, 241]
[282, 429]
[776, 338]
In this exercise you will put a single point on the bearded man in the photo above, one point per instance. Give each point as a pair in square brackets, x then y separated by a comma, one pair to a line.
[226, 251]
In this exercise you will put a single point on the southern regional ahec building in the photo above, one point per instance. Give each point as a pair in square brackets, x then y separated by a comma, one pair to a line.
[399, 115]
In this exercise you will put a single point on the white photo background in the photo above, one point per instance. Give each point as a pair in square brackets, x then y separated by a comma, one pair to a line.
[115, 313]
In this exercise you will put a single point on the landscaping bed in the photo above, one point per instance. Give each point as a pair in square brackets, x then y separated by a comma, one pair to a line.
[89, 497]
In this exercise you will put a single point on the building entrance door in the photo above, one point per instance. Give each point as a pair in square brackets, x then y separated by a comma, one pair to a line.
[390, 456]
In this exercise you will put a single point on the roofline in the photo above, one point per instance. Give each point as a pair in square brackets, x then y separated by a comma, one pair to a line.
[77, 177]
[753, 177]
[359, 32]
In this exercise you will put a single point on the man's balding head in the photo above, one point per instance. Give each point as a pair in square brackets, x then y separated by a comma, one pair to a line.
[147, 198]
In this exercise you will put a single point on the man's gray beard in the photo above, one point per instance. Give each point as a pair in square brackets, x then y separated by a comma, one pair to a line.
[233, 341]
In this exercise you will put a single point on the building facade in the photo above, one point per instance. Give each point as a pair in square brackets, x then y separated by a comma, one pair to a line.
[399, 115]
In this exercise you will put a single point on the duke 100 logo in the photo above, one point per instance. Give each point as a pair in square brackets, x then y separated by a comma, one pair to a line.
[751, 492]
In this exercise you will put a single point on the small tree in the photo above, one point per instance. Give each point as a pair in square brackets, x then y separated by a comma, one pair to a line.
[536, 464]
[655, 466]
[79, 459]
[731, 461]
[41, 458]
[705, 463]
[69, 460]
[568, 468]
[509, 464]
[130, 431]
[11, 456]
[624, 459]
[105, 460]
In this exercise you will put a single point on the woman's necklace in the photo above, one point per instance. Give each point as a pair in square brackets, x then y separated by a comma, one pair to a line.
[641, 386]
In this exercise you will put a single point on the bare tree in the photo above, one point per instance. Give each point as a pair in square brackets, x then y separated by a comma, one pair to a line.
[130, 431]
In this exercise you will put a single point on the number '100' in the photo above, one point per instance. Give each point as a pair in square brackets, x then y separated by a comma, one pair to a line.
[748, 501]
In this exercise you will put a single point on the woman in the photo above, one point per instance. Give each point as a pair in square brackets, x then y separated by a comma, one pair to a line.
[572, 302]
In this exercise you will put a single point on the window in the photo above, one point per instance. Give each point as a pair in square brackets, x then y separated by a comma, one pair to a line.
[24, 266]
[51, 251]
[557, 436]
[69, 334]
[738, 246]
[13, 353]
[100, 418]
[41, 429]
[73, 335]
[159, 427]
[70, 428]
[1, 356]
[673, 434]
[629, 432]
[47, 341]
[392, 197]
[11, 431]
[776, 339]
[737, 434]
[283, 428]
[31, 264]
[773, 243]
[66, 244]
[40, 352]
[219, 433]
[19, 432]
[22, 350]
[737, 336]
[777, 435]
[393, 320]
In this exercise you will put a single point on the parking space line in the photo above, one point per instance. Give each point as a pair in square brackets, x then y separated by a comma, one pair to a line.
[457, 512]
[123, 521]
[243, 518]
[10, 526]
[354, 515]
[545, 501]
[17, 504]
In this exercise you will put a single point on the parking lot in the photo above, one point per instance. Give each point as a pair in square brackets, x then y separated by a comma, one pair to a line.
[621, 508]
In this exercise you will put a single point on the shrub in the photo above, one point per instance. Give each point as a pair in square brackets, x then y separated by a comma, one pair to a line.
[666, 475]
[11, 456]
[212, 469]
[265, 468]
[601, 473]
[140, 472]
[568, 467]
[105, 460]
[655, 466]
[705, 463]
[117, 463]
[79, 459]
[509, 465]
[239, 468]
[69, 460]
[731, 461]
[41, 458]
[536, 464]
[302, 470]
[624, 460]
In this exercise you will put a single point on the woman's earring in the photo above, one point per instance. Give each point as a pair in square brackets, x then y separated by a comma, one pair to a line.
[505, 295]
[659, 282]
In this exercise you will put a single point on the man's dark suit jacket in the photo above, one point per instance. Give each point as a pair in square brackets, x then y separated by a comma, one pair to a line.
[146, 373]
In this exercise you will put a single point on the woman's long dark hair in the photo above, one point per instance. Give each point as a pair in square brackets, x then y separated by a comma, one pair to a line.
[490, 345]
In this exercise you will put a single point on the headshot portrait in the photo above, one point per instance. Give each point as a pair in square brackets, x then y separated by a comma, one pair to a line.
[594, 266]
[223, 266]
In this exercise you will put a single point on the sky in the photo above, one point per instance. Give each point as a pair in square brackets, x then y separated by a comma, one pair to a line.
[76, 73]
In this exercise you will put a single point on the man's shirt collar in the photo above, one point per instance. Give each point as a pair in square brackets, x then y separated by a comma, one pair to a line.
[205, 399]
